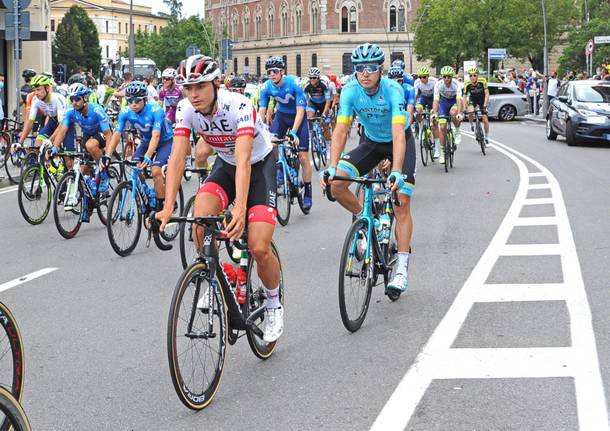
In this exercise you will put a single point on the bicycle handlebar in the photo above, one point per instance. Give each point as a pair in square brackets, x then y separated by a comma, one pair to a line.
[360, 180]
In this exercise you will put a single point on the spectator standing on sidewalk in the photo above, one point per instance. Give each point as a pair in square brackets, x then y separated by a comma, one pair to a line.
[1, 96]
[530, 90]
[553, 84]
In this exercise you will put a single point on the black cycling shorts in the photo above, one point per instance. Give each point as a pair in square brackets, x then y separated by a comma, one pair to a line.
[99, 137]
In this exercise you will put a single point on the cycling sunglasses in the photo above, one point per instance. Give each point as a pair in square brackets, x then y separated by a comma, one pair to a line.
[168, 78]
[273, 71]
[370, 68]
[447, 76]
[423, 77]
[473, 75]
[133, 100]
[76, 98]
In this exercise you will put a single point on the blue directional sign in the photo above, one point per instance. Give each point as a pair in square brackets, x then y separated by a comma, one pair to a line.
[497, 53]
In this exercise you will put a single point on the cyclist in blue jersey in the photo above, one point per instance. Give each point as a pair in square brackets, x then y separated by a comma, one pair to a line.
[157, 134]
[290, 101]
[380, 106]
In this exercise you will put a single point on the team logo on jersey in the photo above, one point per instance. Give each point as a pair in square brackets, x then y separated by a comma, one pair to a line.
[143, 128]
[242, 106]
[286, 99]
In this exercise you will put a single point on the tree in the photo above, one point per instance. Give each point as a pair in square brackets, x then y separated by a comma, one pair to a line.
[573, 55]
[89, 38]
[175, 7]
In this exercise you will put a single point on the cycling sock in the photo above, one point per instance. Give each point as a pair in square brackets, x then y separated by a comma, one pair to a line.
[160, 203]
[358, 214]
[307, 189]
[273, 298]
[403, 261]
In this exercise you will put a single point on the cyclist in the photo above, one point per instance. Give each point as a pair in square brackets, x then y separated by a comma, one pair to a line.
[26, 89]
[380, 105]
[170, 94]
[237, 85]
[157, 134]
[318, 98]
[476, 93]
[424, 97]
[244, 172]
[290, 102]
[447, 103]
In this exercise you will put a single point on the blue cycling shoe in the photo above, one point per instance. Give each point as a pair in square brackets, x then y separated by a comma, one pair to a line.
[307, 202]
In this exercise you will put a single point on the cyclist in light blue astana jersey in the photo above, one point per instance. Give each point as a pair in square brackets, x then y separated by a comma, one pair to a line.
[381, 107]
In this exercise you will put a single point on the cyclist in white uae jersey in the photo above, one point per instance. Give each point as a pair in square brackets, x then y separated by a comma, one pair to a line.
[244, 173]
[447, 103]
[424, 97]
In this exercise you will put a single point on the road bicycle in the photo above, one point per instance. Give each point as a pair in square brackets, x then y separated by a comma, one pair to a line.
[37, 184]
[208, 311]
[317, 143]
[478, 128]
[426, 143]
[12, 161]
[130, 204]
[12, 373]
[76, 198]
[449, 146]
[369, 250]
[290, 184]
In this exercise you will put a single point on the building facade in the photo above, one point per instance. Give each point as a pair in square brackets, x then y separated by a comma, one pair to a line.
[35, 53]
[309, 33]
[111, 17]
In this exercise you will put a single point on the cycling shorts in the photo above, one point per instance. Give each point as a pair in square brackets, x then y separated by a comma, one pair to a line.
[283, 122]
[424, 102]
[49, 128]
[445, 106]
[99, 137]
[261, 194]
[316, 108]
[160, 157]
[368, 154]
[480, 101]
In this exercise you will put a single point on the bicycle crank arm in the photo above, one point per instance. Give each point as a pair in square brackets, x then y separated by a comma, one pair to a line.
[200, 334]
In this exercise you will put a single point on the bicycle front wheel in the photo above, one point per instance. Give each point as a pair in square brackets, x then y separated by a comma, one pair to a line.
[114, 178]
[68, 205]
[34, 195]
[197, 336]
[124, 220]
[14, 415]
[283, 194]
[355, 276]
[12, 366]
[480, 136]
[423, 147]
[172, 230]
[315, 151]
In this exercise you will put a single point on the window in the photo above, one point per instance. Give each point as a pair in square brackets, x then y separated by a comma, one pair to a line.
[353, 16]
[401, 18]
[258, 66]
[119, 27]
[107, 51]
[139, 28]
[397, 56]
[52, 25]
[257, 28]
[246, 27]
[298, 64]
[314, 20]
[500, 90]
[155, 29]
[314, 60]
[235, 65]
[299, 22]
[284, 23]
[344, 22]
[270, 27]
[393, 26]
[107, 27]
[285, 62]
[347, 63]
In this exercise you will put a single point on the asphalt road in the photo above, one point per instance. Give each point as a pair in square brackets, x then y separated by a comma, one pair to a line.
[95, 328]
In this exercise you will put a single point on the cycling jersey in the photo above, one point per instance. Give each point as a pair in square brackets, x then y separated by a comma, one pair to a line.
[317, 93]
[55, 107]
[427, 89]
[452, 92]
[409, 92]
[94, 122]
[288, 96]
[170, 99]
[376, 113]
[25, 91]
[476, 91]
[150, 119]
[234, 117]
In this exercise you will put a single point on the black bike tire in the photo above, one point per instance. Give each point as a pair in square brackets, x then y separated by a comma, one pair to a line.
[315, 153]
[20, 191]
[447, 152]
[480, 136]
[323, 150]
[261, 349]
[451, 149]
[352, 325]
[30, 159]
[300, 191]
[208, 395]
[68, 234]
[8, 158]
[13, 334]
[138, 222]
[102, 211]
[15, 417]
[180, 200]
[184, 232]
[283, 219]
[423, 147]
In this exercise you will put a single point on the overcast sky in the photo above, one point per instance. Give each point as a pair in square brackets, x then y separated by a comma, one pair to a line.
[189, 7]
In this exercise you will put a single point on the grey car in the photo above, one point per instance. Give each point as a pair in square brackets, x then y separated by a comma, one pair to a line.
[505, 102]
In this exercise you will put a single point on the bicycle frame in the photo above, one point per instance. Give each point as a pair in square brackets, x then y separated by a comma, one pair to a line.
[136, 189]
[283, 161]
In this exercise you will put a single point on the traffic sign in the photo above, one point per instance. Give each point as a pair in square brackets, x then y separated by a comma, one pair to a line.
[192, 50]
[10, 4]
[24, 26]
[589, 47]
[497, 53]
[601, 39]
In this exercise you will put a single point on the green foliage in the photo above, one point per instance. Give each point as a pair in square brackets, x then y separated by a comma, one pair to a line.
[573, 56]
[175, 7]
[168, 47]
[77, 42]
[451, 31]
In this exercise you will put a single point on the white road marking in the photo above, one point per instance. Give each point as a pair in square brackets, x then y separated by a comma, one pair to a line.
[438, 360]
[8, 190]
[28, 277]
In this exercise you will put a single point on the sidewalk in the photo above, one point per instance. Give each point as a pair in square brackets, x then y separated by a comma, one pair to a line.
[532, 117]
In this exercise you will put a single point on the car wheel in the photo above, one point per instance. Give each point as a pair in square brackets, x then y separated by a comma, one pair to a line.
[570, 137]
[507, 113]
[550, 133]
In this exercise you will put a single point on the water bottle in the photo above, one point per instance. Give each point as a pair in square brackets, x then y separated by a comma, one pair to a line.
[92, 184]
[229, 271]
[240, 290]
[385, 223]
[378, 229]
[293, 172]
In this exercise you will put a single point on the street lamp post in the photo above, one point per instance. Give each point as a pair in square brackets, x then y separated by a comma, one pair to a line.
[545, 105]
[132, 47]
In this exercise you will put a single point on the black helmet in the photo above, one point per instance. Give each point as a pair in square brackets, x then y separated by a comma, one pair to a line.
[77, 77]
[28, 74]
[275, 62]
[238, 82]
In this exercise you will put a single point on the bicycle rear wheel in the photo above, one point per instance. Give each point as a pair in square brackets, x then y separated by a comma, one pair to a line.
[68, 205]
[283, 201]
[196, 351]
[480, 137]
[355, 276]
[34, 195]
[114, 178]
[423, 147]
[172, 230]
[315, 150]
[255, 298]
[124, 221]
[14, 416]
[12, 366]
[451, 147]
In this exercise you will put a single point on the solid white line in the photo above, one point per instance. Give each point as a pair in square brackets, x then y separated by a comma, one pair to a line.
[535, 221]
[521, 292]
[28, 277]
[536, 174]
[8, 190]
[530, 249]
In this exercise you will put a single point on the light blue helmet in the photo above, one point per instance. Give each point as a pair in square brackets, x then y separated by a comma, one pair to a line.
[407, 78]
[368, 53]
[395, 72]
[398, 62]
[136, 89]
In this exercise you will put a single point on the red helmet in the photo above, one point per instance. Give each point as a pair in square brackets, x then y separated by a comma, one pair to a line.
[197, 69]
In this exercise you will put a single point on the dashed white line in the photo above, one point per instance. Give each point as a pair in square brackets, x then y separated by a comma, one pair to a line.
[8, 190]
[24, 279]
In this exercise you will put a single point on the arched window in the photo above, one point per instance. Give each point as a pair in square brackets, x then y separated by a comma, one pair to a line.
[401, 18]
[314, 60]
[299, 21]
[298, 64]
[235, 65]
[285, 62]
[235, 28]
[393, 26]
[270, 21]
[246, 27]
[258, 66]
[314, 17]
[353, 18]
[284, 17]
[155, 27]
[344, 21]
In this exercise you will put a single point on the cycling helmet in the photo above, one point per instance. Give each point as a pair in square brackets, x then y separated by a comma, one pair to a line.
[473, 71]
[423, 71]
[40, 81]
[447, 71]
[368, 53]
[398, 62]
[408, 79]
[135, 89]
[332, 77]
[169, 73]
[198, 69]
[237, 82]
[28, 74]
[395, 72]
[78, 90]
[77, 77]
[314, 72]
[275, 62]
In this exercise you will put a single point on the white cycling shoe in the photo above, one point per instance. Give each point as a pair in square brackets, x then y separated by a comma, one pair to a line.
[399, 282]
[274, 324]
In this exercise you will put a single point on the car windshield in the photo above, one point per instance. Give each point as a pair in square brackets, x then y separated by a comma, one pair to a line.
[592, 94]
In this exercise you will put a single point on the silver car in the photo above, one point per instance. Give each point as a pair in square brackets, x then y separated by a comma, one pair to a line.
[505, 102]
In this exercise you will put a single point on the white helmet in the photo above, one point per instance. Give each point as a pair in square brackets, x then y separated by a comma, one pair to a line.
[314, 72]
[78, 90]
[197, 69]
[169, 73]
